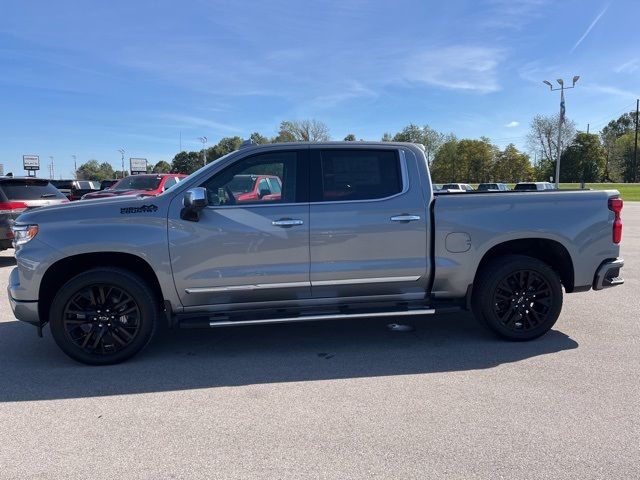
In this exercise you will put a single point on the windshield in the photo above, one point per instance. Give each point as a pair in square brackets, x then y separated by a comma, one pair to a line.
[488, 186]
[526, 186]
[138, 182]
[451, 186]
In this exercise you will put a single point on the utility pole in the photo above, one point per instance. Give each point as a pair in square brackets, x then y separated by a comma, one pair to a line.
[121, 150]
[561, 119]
[204, 151]
[587, 129]
[635, 147]
[75, 166]
[51, 170]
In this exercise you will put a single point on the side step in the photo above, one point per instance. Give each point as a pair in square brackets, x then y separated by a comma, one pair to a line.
[209, 321]
[313, 318]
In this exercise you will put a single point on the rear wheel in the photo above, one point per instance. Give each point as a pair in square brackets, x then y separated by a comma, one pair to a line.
[103, 316]
[518, 297]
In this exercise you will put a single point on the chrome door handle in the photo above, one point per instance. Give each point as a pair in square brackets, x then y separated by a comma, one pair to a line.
[287, 222]
[405, 218]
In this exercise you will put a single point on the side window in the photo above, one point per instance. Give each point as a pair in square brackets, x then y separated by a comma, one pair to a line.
[360, 174]
[263, 188]
[275, 185]
[171, 181]
[240, 183]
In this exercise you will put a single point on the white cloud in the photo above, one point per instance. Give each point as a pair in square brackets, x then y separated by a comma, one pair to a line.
[589, 28]
[512, 124]
[628, 67]
[457, 68]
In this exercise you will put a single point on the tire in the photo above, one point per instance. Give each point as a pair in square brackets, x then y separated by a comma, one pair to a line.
[517, 297]
[103, 316]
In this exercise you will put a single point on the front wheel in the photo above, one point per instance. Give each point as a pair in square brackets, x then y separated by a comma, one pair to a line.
[518, 297]
[103, 316]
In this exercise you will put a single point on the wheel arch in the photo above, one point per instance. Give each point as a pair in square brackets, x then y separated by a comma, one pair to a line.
[549, 251]
[66, 268]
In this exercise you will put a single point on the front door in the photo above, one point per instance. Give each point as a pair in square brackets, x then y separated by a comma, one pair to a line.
[251, 244]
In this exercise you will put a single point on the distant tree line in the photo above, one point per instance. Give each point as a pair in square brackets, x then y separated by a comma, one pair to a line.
[607, 156]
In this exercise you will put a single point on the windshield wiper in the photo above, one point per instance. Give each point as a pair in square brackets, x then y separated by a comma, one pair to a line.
[47, 195]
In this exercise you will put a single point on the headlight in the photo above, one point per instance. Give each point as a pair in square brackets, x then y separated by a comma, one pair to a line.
[23, 233]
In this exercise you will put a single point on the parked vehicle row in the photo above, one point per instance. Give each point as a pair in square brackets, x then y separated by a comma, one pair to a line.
[492, 187]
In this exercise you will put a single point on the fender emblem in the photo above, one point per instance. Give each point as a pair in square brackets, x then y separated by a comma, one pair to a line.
[141, 209]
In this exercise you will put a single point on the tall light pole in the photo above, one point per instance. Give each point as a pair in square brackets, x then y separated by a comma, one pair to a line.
[51, 171]
[121, 150]
[75, 166]
[204, 151]
[562, 88]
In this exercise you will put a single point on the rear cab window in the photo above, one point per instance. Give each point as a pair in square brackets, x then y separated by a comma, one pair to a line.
[354, 174]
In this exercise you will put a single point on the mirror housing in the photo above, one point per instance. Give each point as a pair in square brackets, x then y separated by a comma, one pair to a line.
[194, 200]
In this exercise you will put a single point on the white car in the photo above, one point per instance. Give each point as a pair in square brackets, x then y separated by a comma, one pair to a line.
[464, 187]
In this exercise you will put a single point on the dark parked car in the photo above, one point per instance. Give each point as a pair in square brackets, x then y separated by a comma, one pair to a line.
[75, 189]
[20, 194]
[523, 186]
[107, 184]
[145, 184]
[493, 187]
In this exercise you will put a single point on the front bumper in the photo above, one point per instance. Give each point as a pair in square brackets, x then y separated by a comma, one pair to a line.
[26, 311]
[608, 274]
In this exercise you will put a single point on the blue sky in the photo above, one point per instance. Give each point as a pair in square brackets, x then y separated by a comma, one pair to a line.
[88, 78]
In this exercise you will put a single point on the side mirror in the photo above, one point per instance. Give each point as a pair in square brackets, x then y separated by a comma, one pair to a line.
[264, 192]
[195, 199]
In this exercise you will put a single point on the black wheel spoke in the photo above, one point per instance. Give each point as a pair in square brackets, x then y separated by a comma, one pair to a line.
[101, 319]
[522, 300]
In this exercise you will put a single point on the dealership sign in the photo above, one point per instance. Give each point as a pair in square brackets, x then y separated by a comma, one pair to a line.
[31, 162]
[138, 165]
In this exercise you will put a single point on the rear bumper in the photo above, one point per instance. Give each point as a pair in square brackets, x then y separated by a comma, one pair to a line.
[608, 274]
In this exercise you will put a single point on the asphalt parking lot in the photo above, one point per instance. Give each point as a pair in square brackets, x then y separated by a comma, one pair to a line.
[337, 400]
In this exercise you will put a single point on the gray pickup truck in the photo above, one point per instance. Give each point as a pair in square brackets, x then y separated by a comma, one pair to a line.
[321, 231]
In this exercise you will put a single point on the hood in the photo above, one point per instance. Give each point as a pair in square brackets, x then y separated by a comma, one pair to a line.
[94, 209]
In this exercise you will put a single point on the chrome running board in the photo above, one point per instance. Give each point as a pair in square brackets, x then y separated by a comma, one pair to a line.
[313, 318]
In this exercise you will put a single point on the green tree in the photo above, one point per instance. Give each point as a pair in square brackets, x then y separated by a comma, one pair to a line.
[475, 160]
[161, 167]
[427, 136]
[623, 156]
[387, 137]
[259, 139]
[511, 165]
[543, 138]
[614, 162]
[92, 170]
[443, 167]
[350, 138]
[583, 160]
[186, 162]
[303, 131]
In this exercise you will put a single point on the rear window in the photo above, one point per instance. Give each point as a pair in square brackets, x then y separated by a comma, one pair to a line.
[451, 186]
[360, 174]
[526, 186]
[88, 185]
[488, 186]
[29, 189]
[67, 184]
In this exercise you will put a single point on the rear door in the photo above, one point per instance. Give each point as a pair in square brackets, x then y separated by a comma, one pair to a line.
[369, 222]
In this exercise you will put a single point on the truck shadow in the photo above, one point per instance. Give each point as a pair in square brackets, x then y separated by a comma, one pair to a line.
[34, 369]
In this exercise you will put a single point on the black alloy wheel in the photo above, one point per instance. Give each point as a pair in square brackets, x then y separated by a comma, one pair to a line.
[517, 296]
[103, 316]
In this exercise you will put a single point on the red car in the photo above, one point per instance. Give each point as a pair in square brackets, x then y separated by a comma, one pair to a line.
[146, 184]
[251, 188]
